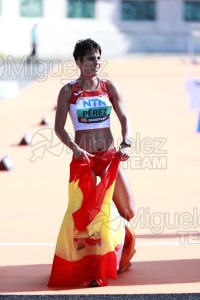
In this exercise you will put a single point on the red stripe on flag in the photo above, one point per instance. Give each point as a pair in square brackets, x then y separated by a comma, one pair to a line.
[74, 273]
[93, 198]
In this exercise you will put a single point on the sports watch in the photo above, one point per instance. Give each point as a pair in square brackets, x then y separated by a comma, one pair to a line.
[125, 143]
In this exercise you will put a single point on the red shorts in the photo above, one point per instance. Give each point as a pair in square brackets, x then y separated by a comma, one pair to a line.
[98, 163]
[101, 160]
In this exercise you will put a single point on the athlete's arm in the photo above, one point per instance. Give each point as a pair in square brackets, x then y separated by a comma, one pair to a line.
[119, 109]
[60, 120]
[61, 116]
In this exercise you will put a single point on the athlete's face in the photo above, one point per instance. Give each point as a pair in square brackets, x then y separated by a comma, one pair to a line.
[90, 64]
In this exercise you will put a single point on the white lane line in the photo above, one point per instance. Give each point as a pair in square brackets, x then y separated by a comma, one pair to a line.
[53, 244]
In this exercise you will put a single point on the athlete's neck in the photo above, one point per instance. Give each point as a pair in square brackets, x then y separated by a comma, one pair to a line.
[89, 84]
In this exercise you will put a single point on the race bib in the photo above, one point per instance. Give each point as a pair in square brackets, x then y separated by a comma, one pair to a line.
[93, 109]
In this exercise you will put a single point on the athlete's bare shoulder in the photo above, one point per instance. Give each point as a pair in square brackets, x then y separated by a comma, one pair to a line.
[113, 88]
[65, 93]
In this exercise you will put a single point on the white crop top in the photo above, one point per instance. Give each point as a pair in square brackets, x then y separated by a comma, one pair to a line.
[90, 109]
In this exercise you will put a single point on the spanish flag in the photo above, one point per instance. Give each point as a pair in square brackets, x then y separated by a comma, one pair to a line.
[93, 241]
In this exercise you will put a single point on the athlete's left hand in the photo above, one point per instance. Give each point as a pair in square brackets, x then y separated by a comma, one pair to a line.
[123, 155]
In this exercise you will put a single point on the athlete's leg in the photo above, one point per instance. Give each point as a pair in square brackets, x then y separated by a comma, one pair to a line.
[123, 197]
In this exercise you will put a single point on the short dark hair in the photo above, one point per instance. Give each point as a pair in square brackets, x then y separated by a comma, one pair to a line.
[82, 46]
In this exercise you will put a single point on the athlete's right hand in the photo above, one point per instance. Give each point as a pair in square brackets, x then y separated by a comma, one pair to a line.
[81, 154]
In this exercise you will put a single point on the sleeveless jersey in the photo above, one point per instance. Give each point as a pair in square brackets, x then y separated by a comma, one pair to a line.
[90, 109]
